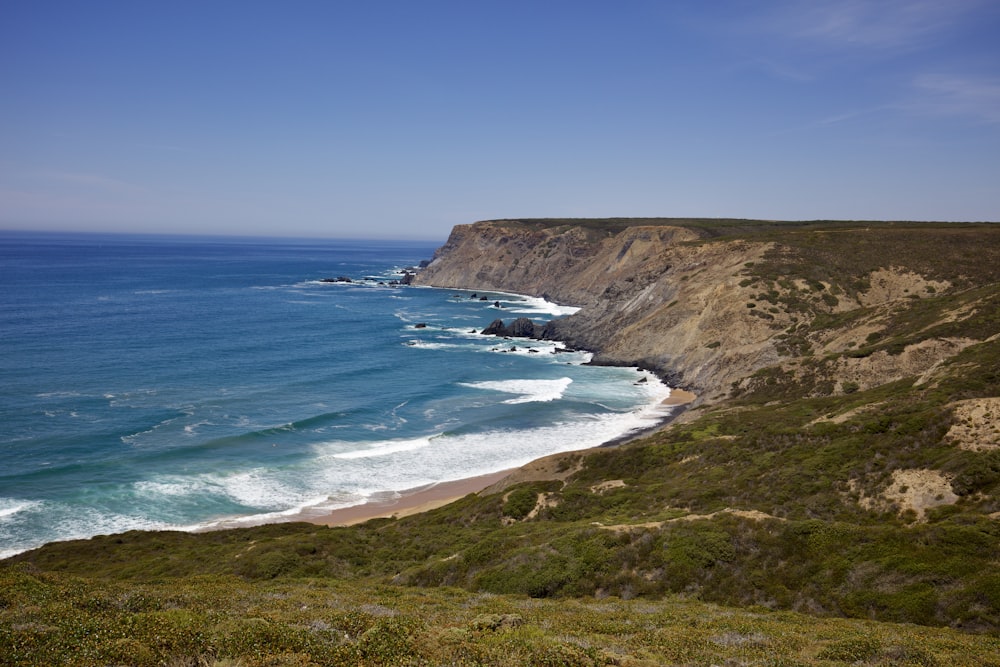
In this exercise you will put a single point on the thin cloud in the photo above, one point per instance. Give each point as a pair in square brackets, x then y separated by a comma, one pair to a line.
[848, 116]
[944, 95]
[879, 24]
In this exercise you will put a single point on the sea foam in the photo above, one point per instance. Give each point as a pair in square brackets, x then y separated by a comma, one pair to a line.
[386, 448]
[11, 506]
[527, 391]
[530, 305]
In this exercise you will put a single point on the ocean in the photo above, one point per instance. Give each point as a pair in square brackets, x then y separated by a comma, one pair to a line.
[188, 383]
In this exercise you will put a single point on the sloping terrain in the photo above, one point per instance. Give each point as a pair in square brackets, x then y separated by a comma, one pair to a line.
[842, 461]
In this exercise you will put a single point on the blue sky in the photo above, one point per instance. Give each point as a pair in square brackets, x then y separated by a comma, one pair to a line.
[400, 119]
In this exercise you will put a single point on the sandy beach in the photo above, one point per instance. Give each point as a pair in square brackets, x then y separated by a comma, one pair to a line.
[405, 503]
[679, 397]
[426, 498]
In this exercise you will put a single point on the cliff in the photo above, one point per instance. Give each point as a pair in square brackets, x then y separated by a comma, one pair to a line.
[707, 304]
[639, 305]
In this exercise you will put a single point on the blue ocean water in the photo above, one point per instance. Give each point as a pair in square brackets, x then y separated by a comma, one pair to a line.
[171, 382]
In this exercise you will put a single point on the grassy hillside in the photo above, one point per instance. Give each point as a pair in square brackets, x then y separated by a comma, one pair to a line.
[836, 484]
[229, 622]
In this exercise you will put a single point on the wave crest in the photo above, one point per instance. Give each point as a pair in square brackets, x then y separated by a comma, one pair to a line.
[386, 448]
[528, 391]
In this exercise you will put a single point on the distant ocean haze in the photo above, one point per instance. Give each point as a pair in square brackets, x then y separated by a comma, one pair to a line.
[169, 382]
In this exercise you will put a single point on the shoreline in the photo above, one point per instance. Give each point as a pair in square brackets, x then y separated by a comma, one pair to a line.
[399, 504]
[679, 399]
[391, 505]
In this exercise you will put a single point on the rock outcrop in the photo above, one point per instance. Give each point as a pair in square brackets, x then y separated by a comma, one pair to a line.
[522, 327]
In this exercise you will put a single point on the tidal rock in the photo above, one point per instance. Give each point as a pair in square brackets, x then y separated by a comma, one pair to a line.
[496, 328]
[522, 327]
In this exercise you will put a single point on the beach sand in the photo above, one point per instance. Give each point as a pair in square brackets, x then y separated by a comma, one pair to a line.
[430, 497]
[679, 397]
[406, 503]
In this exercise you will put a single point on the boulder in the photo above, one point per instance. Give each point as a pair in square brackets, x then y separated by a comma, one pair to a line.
[547, 332]
[496, 328]
[522, 327]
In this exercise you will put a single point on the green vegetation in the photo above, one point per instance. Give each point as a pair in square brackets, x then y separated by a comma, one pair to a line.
[774, 527]
[50, 619]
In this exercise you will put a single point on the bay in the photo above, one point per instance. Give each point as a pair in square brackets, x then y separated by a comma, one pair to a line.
[191, 382]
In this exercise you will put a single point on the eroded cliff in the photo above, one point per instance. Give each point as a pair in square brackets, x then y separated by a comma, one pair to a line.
[653, 296]
[709, 308]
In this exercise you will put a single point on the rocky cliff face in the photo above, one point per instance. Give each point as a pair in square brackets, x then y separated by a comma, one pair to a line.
[701, 311]
[653, 296]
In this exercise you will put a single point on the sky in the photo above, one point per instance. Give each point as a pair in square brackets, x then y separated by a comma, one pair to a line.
[400, 119]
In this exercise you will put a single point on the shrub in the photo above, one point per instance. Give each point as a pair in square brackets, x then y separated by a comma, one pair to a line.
[520, 502]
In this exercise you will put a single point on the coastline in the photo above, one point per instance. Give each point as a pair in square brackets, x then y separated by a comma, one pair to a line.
[404, 503]
[399, 504]
[426, 498]
[433, 496]
[394, 505]
[679, 399]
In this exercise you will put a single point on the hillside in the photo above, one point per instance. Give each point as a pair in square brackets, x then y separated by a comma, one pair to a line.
[842, 460]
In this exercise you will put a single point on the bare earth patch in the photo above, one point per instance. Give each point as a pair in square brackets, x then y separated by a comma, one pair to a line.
[896, 283]
[555, 466]
[545, 500]
[977, 425]
[754, 515]
[920, 490]
[915, 360]
[607, 486]
[850, 414]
